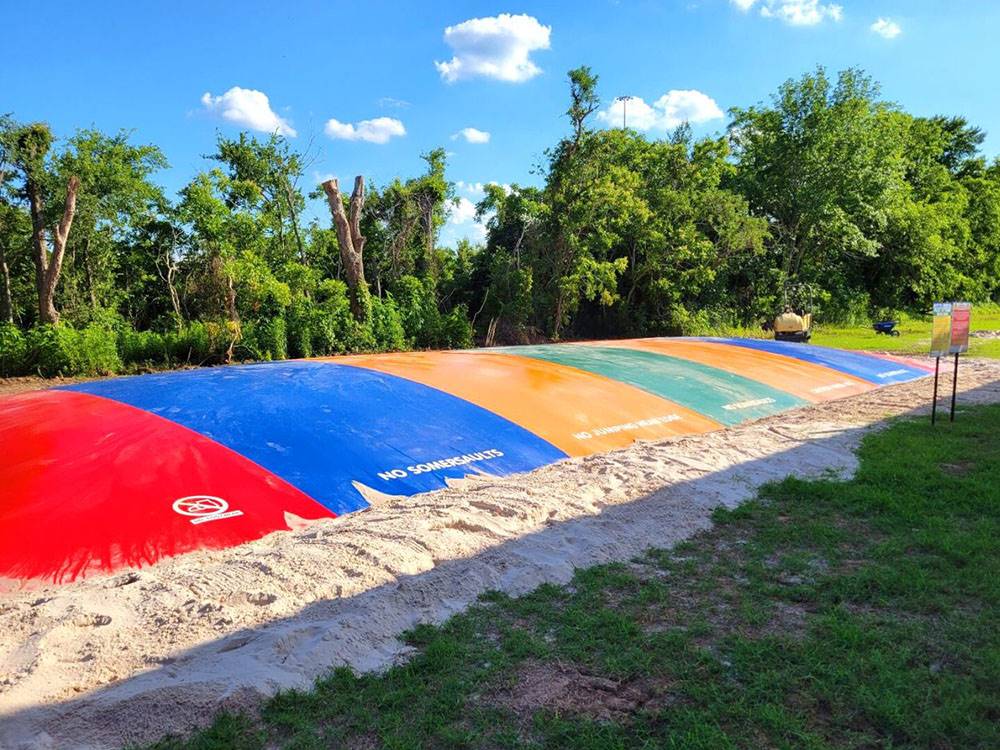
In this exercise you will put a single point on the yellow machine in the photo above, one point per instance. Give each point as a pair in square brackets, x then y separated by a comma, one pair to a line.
[791, 326]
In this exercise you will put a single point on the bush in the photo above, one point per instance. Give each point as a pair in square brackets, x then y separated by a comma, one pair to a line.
[299, 320]
[63, 350]
[50, 349]
[13, 351]
[266, 339]
[456, 330]
[386, 325]
[145, 347]
[96, 351]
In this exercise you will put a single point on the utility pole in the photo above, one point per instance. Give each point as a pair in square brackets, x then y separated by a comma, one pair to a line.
[624, 100]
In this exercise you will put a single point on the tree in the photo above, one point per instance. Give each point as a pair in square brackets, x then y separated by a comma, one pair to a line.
[274, 169]
[823, 164]
[116, 198]
[31, 144]
[352, 242]
[587, 205]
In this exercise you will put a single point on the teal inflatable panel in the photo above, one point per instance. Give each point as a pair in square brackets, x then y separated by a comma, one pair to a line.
[723, 396]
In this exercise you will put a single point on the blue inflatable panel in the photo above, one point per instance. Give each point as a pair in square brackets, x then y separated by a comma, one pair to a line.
[323, 426]
[872, 369]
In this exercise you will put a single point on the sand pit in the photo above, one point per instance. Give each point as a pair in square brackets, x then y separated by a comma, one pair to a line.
[128, 657]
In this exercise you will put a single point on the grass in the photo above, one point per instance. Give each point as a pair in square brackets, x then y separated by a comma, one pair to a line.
[915, 335]
[824, 614]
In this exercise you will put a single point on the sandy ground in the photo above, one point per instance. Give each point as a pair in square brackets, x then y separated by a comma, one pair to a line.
[129, 657]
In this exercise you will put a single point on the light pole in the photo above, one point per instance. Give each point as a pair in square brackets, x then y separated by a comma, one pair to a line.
[624, 100]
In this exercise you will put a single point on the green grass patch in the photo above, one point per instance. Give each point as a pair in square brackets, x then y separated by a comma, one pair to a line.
[824, 614]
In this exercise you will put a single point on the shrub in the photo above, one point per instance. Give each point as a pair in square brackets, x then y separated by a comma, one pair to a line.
[13, 351]
[63, 350]
[456, 330]
[96, 351]
[386, 325]
[266, 339]
[299, 320]
[50, 349]
[145, 347]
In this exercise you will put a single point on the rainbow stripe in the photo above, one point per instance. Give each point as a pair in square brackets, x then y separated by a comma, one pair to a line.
[123, 472]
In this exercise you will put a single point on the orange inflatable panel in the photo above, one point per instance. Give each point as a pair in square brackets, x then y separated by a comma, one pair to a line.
[579, 412]
[803, 379]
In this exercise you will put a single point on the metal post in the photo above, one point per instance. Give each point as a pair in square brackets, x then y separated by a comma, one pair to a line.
[954, 387]
[624, 100]
[937, 367]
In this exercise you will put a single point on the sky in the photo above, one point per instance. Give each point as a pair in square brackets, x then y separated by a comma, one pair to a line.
[366, 87]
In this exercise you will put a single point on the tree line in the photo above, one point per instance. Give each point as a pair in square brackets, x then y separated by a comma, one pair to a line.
[827, 197]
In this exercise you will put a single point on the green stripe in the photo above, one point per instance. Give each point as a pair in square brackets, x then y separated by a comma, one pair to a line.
[721, 395]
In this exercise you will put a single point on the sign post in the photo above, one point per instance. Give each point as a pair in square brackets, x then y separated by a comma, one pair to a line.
[940, 345]
[961, 313]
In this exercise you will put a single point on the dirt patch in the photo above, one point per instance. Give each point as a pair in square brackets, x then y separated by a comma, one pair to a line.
[13, 386]
[566, 689]
[957, 468]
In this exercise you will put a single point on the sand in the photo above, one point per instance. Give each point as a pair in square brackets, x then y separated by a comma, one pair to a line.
[129, 657]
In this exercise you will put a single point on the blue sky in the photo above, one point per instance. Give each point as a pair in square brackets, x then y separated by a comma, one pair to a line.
[368, 86]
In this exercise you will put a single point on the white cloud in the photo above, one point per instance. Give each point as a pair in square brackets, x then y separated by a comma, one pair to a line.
[462, 224]
[498, 47]
[379, 130]
[886, 28]
[249, 108]
[667, 112]
[794, 12]
[477, 190]
[472, 135]
[463, 212]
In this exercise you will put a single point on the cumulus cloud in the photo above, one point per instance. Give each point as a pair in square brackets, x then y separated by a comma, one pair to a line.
[886, 28]
[379, 130]
[477, 190]
[472, 135]
[667, 112]
[462, 223]
[498, 47]
[249, 108]
[794, 12]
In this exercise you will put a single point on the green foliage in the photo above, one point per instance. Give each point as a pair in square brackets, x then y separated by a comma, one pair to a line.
[63, 350]
[266, 339]
[13, 351]
[388, 333]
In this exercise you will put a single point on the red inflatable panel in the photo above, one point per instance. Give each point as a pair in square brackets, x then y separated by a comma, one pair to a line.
[88, 484]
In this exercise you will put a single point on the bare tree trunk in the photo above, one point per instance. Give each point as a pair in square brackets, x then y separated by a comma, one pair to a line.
[234, 316]
[168, 279]
[295, 224]
[47, 268]
[6, 303]
[351, 241]
[89, 274]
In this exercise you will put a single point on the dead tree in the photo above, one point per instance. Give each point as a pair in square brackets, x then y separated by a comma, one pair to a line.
[352, 242]
[48, 266]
